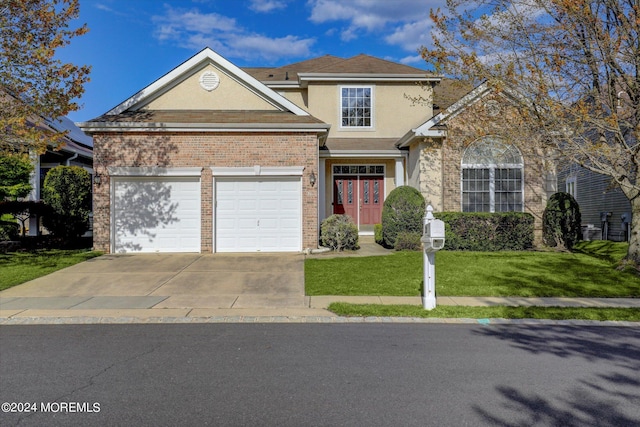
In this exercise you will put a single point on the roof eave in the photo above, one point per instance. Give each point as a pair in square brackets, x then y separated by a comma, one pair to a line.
[99, 127]
[305, 78]
[372, 154]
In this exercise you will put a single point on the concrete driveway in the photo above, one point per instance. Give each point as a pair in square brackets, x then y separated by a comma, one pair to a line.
[169, 281]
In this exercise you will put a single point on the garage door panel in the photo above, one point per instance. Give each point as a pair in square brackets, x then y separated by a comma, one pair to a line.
[156, 214]
[267, 213]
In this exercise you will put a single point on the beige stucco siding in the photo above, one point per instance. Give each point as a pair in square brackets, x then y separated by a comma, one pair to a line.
[189, 95]
[393, 113]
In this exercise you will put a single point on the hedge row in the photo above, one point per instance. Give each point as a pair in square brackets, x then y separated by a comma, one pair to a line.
[466, 231]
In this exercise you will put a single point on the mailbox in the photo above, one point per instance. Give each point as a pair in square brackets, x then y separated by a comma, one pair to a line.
[432, 240]
[433, 235]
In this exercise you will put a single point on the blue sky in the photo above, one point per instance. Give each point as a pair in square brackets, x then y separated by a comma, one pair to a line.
[131, 43]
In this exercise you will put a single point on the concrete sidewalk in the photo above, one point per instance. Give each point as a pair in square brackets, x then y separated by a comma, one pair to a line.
[131, 309]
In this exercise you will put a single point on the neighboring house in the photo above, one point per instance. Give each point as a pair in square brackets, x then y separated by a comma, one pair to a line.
[605, 210]
[76, 151]
[215, 158]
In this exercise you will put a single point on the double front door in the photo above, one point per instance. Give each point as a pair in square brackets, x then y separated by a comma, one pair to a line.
[360, 197]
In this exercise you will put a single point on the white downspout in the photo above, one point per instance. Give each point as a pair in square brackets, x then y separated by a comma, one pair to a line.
[75, 156]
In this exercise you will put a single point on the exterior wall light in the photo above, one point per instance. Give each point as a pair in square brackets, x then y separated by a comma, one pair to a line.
[312, 179]
[96, 179]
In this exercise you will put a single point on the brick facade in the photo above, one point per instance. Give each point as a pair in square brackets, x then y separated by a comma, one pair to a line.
[464, 129]
[204, 150]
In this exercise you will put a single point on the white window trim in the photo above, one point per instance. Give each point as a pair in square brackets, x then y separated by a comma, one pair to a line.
[571, 185]
[492, 182]
[373, 108]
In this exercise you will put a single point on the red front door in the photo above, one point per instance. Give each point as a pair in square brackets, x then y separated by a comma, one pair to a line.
[371, 195]
[360, 197]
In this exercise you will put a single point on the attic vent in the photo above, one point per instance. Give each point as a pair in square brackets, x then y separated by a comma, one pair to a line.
[209, 80]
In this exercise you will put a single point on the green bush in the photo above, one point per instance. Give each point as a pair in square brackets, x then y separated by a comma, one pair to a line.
[408, 241]
[403, 210]
[67, 190]
[339, 232]
[13, 212]
[479, 231]
[561, 221]
[9, 228]
[377, 234]
[15, 177]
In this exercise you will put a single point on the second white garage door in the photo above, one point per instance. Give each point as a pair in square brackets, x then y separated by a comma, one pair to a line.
[258, 214]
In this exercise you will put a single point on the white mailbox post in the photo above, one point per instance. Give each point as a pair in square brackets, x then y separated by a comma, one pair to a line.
[432, 241]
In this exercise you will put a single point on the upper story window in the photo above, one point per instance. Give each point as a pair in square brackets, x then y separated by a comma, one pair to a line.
[492, 177]
[356, 106]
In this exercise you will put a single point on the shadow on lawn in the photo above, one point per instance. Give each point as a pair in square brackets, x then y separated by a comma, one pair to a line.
[576, 277]
[600, 399]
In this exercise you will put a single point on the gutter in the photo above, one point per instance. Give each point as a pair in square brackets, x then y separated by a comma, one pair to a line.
[93, 127]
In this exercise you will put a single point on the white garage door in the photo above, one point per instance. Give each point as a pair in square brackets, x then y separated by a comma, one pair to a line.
[156, 214]
[258, 214]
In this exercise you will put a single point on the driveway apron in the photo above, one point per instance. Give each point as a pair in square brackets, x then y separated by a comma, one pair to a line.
[171, 281]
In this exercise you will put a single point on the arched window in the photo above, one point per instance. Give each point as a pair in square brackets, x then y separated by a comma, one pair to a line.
[492, 177]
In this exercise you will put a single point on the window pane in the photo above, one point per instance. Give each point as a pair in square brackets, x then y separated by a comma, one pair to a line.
[356, 107]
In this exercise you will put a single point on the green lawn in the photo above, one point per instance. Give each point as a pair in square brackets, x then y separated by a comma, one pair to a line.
[20, 267]
[555, 313]
[588, 273]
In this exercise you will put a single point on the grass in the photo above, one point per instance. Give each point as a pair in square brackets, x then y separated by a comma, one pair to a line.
[555, 313]
[588, 273]
[20, 267]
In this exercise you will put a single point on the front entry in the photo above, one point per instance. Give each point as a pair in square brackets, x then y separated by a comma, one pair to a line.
[360, 197]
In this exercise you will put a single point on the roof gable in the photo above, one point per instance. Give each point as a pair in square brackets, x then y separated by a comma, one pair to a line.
[200, 61]
[433, 128]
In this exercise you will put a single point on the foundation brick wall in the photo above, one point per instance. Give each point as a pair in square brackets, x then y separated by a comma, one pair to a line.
[204, 150]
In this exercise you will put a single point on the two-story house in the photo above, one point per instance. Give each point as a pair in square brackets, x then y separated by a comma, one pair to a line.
[214, 158]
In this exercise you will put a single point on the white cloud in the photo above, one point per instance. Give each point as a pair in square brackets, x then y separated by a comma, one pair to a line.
[412, 35]
[103, 7]
[266, 6]
[194, 30]
[404, 23]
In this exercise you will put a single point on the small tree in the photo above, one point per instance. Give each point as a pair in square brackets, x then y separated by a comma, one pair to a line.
[67, 189]
[561, 221]
[34, 82]
[573, 68]
[15, 173]
[402, 211]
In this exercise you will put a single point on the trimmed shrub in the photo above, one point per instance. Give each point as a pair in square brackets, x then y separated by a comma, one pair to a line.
[339, 232]
[480, 231]
[403, 210]
[408, 241]
[67, 189]
[12, 212]
[377, 234]
[561, 221]
[9, 228]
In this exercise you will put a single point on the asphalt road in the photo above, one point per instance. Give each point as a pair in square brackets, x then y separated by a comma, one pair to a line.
[320, 375]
